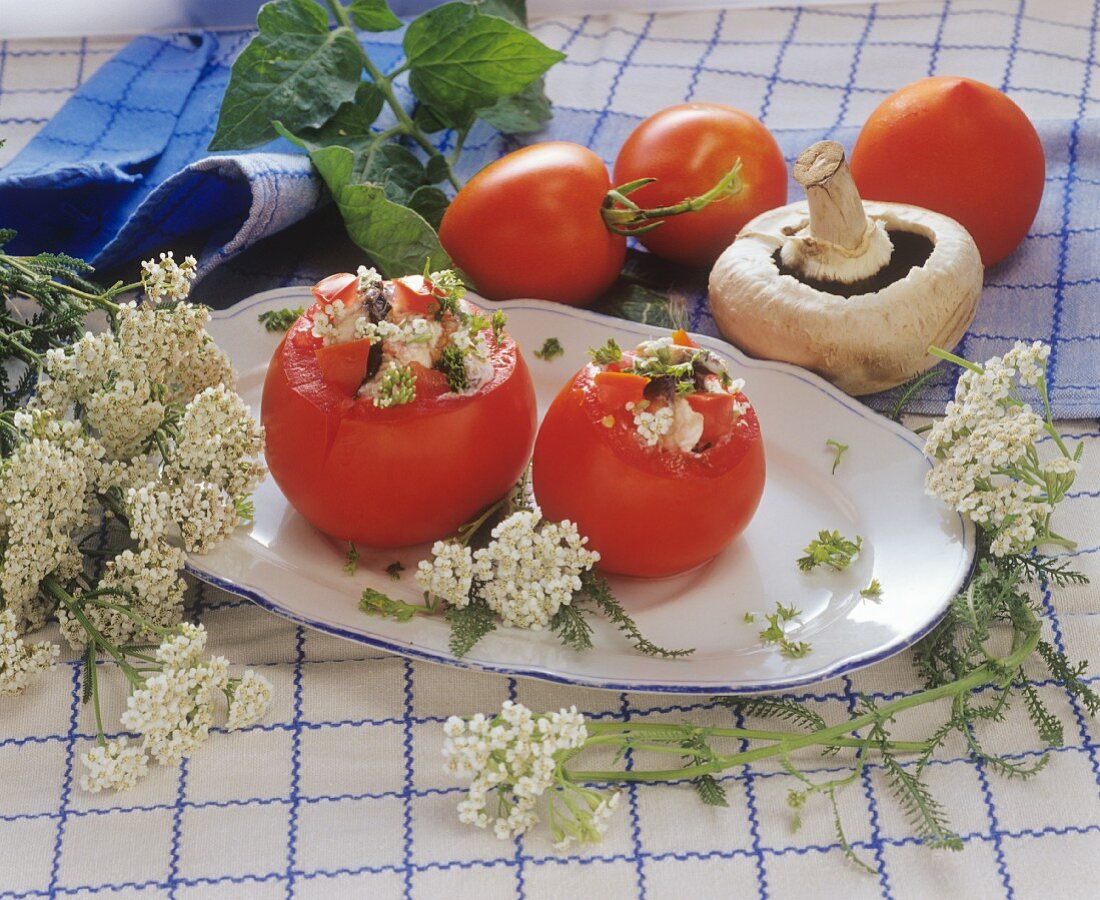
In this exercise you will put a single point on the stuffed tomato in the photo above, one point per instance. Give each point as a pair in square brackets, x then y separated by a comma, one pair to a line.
[396, 410]
[654, 453]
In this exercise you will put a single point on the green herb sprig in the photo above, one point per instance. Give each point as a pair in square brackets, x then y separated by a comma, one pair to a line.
[831, 549]
[279, 320]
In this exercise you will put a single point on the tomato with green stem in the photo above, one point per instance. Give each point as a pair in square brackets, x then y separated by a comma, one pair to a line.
[545, 222]
[682, 151]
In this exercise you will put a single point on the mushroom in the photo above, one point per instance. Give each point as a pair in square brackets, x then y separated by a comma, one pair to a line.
[854, 291]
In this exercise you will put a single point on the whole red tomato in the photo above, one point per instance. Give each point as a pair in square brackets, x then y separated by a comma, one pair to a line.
[529, 225]
[961, 148]
[648, 512]
[688, 148]
[396, 476]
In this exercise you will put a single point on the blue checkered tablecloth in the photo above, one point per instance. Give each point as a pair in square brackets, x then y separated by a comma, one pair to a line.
[340, 792]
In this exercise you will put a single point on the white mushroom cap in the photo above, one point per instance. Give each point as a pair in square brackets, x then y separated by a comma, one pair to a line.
[864, 343]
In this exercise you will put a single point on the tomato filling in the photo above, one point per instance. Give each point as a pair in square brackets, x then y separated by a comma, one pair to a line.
[393, 342]
[669, 394]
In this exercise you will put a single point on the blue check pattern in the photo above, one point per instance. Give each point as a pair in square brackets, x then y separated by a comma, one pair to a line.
[340, 792]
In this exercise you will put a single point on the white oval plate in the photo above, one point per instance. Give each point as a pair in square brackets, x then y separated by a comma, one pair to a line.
[918, 550]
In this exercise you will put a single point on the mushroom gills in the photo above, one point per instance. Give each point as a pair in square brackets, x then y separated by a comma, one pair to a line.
[911, 250]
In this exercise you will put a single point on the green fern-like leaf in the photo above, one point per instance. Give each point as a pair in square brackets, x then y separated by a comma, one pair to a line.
[88, 673]
[924, 812]
[710, 790]
[1070, 676]
[775, 708]
[596, 588]
[1048, 725]
[570, 625]
[469, 624]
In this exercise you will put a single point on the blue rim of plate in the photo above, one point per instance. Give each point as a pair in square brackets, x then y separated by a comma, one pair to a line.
[838, 669]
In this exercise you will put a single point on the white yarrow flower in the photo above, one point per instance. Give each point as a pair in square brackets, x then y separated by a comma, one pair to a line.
[167, 279]
[531, 568]
[986, 463]
[449, 574]
[251, 698]
[513, 755]
[21, 663]
[116, 766]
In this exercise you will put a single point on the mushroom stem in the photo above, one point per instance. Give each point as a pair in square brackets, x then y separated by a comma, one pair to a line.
[836, 210]
[839, 244]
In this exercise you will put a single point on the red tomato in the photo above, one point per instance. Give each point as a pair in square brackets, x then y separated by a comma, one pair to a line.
[717, 412]
[616, 389]
[397, 476]
[688, 148]
[961, 148]
[413, 295]
[648, 512]
[529, 225]
[344, 366]
[341, 286]
[430, 383]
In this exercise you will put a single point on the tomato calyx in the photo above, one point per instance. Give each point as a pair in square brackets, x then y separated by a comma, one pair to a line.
[622, 215]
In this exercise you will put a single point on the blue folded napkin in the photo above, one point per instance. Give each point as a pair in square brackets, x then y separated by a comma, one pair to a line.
[122, 172]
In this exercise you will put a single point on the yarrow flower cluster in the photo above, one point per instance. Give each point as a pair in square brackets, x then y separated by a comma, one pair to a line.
[174, 710]
[518, 757]
[986, 463]
[138, 425]
[21, 663]
[167, 279]
[529, 569]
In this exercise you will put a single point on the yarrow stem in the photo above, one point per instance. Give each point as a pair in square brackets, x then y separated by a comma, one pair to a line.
[522, 757]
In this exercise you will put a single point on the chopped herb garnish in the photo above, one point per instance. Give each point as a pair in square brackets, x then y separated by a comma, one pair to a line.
[551, 349]
[838, 450]
[775, 633]
[448, 289]
[750, 618]
[873, 590]
[279, 320]
[476, 322]
[394, 570]
[353, 559]
[375, 603]
[608, 353]
[452, 363]
[830, 549]
[498, 322]
[608, 421]
[398, 386]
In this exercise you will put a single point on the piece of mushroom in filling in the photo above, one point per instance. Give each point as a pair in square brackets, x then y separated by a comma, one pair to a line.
[450, 337]
[665, 418]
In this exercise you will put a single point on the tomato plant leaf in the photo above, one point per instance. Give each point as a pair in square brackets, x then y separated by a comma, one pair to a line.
[527, 111]
[294, 70]
[397, 239]
[514, 11]
[430, 202]
[349, 127]
[374, 15]
[396, 169]
[462, 61]
[437, 168]
[430, 120]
